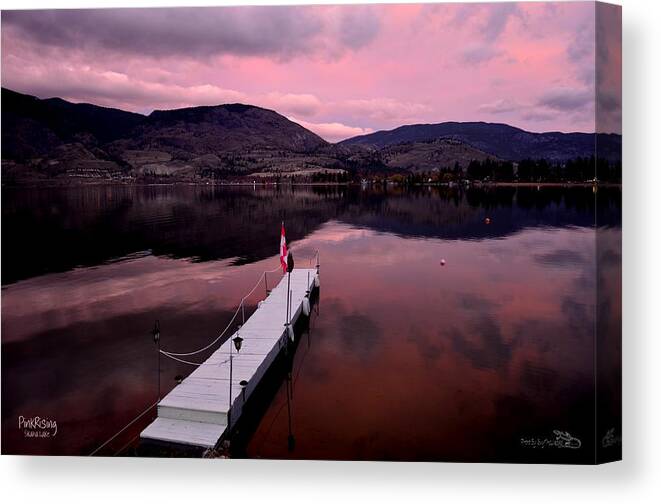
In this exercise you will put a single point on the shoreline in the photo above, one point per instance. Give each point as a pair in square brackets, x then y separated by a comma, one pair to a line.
[77, 183]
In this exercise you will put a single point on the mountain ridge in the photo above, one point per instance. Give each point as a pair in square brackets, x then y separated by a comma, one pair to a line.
[53, 138]
[499, 139]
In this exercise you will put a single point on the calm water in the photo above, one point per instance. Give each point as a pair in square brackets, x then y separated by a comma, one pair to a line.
[405, 360]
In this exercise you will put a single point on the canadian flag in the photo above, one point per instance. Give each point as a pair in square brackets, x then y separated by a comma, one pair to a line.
[283, 249]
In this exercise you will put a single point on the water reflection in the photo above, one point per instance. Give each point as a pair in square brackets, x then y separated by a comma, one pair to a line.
[406, 360]
[63, 228]
[464, 352]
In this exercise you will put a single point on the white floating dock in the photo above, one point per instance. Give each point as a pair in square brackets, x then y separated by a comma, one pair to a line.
[195, 412]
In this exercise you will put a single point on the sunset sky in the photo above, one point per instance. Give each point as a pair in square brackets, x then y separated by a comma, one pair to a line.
[337, 70]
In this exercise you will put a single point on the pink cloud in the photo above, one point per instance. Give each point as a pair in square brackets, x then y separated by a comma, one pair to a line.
[340, 68]
[333, 132]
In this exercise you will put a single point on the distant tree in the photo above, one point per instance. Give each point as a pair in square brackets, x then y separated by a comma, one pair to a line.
[474, 170]
[526, 170]
[504, 171]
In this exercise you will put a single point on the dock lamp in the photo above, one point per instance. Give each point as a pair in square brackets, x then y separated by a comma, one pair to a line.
[156, 332]
[238, 341]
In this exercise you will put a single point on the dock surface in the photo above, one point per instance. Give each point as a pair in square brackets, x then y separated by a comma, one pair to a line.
[195, 412]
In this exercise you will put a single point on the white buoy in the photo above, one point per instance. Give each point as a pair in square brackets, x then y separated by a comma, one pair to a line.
[442, 262]
[306, 306]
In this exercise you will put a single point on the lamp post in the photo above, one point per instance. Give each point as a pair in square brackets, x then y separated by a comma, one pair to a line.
[156, 334]
[237, 341]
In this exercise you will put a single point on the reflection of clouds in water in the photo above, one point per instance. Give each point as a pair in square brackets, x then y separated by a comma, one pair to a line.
[585, 281]
[553, 345]
[561, 258]
[430, 345]
[356, 245]
[579, 318]
[529, 239]
[482, 343]
[472, 302]
[92, 294]
[494, 297]
[480, 339]
[547, 243]
[359, 334]
[334, 232]
[535, 333]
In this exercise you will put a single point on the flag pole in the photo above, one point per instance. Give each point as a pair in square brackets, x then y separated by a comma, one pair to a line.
[290, 267]
[287, 262]
[287, 311]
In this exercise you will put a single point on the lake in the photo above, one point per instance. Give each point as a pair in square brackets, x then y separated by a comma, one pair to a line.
[404, 359]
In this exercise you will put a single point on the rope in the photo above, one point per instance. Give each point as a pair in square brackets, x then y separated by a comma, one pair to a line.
[238, 309]
[180, 360]
[200, 350]
[125, 427]
[126, 445]
[195, 363]
[143, 413]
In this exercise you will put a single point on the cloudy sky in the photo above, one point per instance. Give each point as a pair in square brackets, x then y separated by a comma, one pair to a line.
[338, 70]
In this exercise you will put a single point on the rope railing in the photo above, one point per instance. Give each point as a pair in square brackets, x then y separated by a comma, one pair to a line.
[238, 309]
[179, 360]
[193, 363]
[122, 430]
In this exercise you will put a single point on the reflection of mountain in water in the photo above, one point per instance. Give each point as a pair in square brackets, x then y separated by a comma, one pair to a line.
[434, 213]
[55, 229]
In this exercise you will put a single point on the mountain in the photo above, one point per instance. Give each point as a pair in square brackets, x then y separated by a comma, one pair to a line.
[52, 139]
[232, 127]
[55, 138]
[32, 127]
[500, 140]
[234, 138]
[430, 155]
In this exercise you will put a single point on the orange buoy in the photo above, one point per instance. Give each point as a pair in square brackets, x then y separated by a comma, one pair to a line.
[487, 220]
